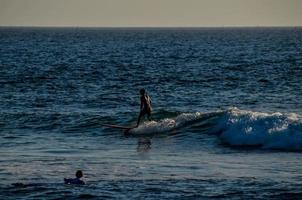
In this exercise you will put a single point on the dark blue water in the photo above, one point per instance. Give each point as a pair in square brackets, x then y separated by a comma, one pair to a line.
[227, 120]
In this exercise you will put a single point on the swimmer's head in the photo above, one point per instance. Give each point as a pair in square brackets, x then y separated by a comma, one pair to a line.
[79, 174]
[142, 91]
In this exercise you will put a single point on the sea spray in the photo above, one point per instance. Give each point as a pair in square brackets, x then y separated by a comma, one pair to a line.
[167, 124]
[272, 131]
[236, 127]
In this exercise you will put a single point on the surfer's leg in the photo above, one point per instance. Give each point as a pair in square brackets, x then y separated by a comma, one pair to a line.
[149, 116]
[139, 119]
[141, 114]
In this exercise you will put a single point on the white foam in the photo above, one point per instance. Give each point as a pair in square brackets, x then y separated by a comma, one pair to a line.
[165, 125]
[275, 130]
[239, 128]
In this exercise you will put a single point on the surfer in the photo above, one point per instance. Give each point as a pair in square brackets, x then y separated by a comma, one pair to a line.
[75, 181]
[145, 107]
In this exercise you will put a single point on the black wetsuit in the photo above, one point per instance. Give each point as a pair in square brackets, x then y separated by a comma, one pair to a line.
[145, 107]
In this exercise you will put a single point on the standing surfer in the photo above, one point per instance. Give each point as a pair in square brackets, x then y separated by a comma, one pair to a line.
[145, 107]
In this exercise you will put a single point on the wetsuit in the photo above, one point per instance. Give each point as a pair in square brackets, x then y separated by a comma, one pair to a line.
[74, 181]
[145, 107]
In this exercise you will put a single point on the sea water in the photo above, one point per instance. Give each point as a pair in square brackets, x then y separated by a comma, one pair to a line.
[226, 122]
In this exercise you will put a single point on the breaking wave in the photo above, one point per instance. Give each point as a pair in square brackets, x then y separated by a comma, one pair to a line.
[237, 127]
[270, 131]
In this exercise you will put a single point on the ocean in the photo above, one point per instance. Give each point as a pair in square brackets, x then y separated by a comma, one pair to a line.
[226, 121]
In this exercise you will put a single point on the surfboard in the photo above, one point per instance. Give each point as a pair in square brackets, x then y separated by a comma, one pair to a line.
[118, 126]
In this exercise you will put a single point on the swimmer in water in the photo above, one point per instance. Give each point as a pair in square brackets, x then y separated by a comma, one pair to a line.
[75, 181]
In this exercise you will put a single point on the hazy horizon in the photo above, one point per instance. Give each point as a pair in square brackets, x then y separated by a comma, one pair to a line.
[159, 27]
[156, 13]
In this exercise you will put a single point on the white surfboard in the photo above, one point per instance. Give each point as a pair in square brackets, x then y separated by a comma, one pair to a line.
[118, 126]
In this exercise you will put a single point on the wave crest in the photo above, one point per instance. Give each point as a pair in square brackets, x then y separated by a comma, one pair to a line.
[167, 124]
[236, 127]
[272, 131]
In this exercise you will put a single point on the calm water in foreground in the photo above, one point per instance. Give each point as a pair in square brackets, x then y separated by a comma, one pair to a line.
[227, 119]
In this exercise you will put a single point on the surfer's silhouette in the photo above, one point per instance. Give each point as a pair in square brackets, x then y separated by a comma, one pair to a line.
[69, 181]
[145, 107]
[75, 181]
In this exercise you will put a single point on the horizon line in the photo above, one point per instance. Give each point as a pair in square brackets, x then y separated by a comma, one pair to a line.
[147, 27]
